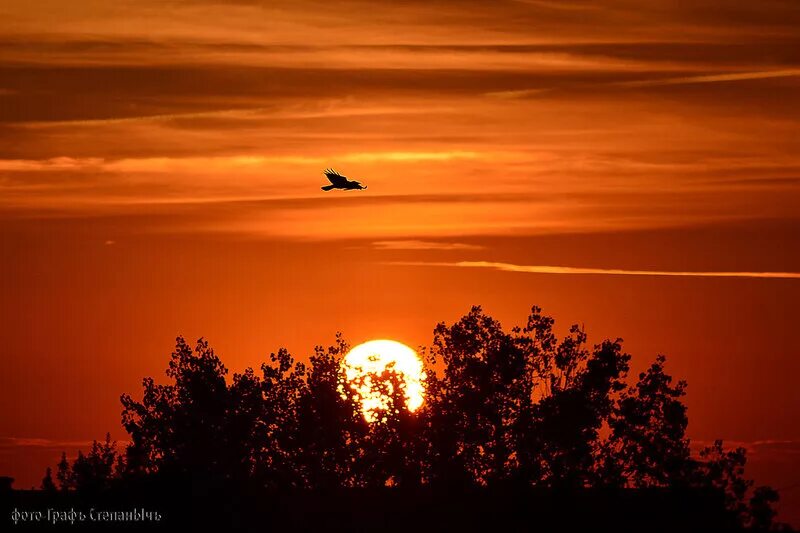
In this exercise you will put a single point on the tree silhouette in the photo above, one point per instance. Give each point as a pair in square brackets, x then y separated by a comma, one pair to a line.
[330, 428]
[48, 485]
[94, 471]
[64, 473]
[562, 438]
[477, 403]
[648, 446]
[724, 470]
[179, 429]
[503, 409]
[391, 448]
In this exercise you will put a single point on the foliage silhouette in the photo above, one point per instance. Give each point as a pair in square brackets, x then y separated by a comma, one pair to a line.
[48, 485]
[647, 445]
[504, 410]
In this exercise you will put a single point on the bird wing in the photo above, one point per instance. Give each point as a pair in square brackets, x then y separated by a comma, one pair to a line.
[335, 178]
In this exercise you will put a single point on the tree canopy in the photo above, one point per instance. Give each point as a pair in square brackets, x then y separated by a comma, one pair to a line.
[503, 408]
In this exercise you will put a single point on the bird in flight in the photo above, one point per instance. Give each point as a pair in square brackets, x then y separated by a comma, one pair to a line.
[340, 182]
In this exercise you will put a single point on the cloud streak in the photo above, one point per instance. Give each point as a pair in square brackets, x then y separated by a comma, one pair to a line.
[713, 78]
[413, 244]
[655, 82]
[165, 164]
[548, 269]
[37, 442]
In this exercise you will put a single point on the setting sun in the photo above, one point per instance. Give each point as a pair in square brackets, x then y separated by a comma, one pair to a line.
[363, 365]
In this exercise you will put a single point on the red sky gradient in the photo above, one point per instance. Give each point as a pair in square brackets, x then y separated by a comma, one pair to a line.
[160, 165]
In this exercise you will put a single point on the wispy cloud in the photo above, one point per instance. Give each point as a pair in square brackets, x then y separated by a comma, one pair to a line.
[221, 113]
[769, 449]
[561, 6]
[423, 245]
[37, 442]
[519, 94]
[713, 78]
[547, 269]
[270, 113]
[152, 164]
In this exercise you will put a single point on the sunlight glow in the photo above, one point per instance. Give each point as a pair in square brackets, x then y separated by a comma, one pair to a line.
[363, 366]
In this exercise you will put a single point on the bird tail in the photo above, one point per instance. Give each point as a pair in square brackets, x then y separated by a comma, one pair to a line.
[327, 187]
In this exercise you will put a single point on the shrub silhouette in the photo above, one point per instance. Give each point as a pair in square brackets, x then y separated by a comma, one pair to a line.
[503, 409]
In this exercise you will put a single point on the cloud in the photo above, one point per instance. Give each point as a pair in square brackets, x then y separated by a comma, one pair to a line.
[542, 269]
[250, 113]
[518, 94]
[770, 450]
[231, 162]
[561, 6]
[423, 245]
[222, 113]
[713, 78]
[36, 442]
[521, 93]
[212, 103]
[777, 447]
[409, 156]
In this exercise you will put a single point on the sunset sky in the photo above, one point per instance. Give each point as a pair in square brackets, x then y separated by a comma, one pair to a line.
[161, 164]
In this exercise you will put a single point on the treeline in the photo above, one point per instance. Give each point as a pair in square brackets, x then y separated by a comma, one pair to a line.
[505, 409]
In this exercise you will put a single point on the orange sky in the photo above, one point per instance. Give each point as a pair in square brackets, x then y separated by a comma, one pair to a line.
[160, 165]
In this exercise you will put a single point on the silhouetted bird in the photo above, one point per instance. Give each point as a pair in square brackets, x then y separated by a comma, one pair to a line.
[340, 182]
